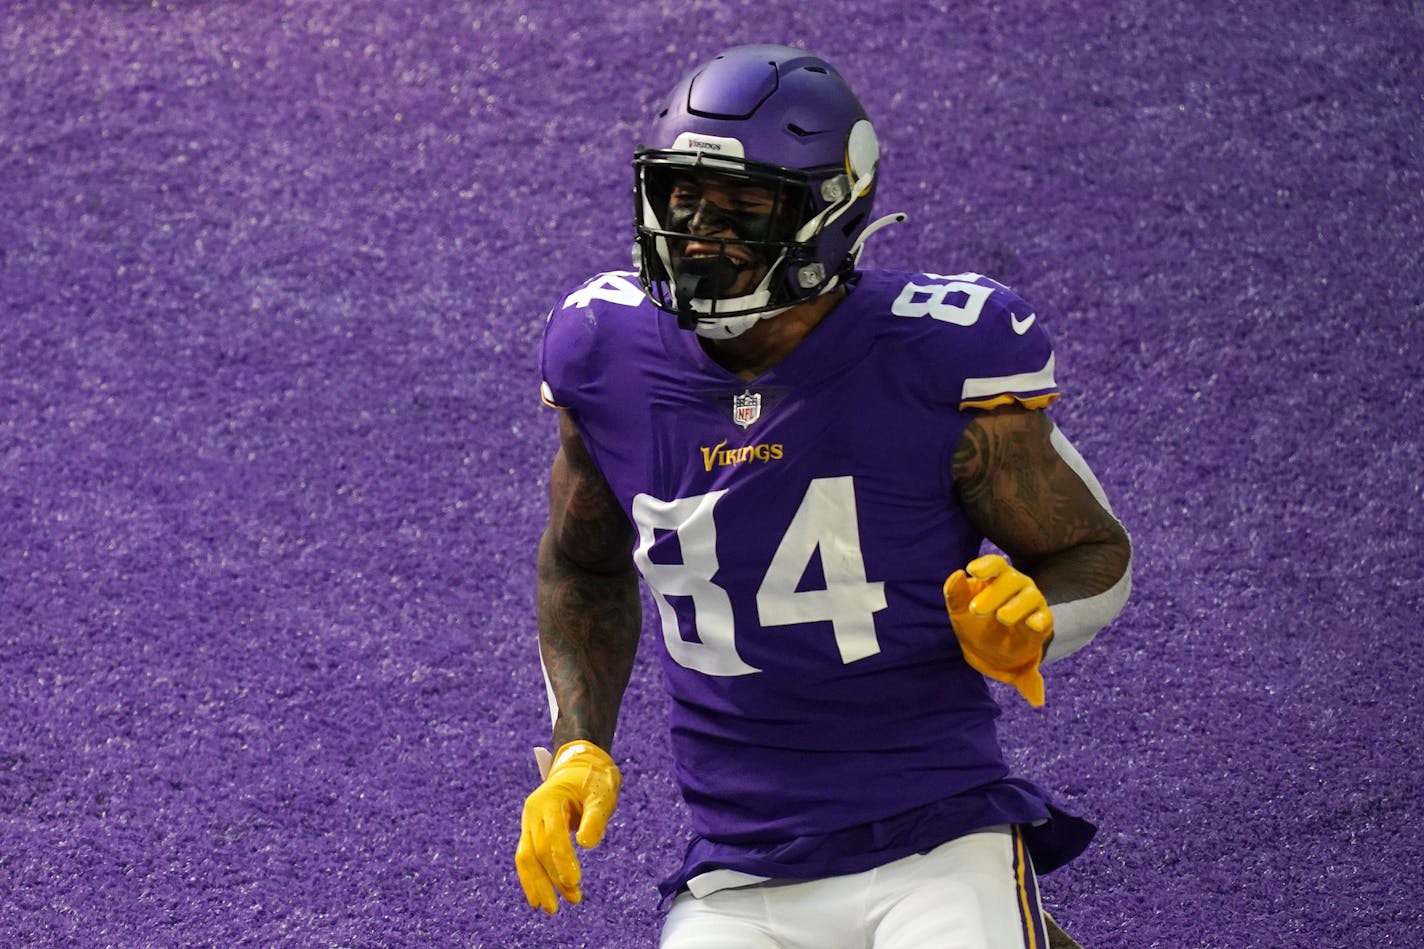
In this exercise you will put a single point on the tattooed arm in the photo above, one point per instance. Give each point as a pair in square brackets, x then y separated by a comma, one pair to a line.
[589, 617]
[589, 609]
[1028, 491]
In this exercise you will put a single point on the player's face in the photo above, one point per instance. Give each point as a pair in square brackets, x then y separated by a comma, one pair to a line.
[717, 211]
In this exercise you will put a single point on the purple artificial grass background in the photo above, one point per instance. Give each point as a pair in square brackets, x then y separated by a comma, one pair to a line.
[272, 465]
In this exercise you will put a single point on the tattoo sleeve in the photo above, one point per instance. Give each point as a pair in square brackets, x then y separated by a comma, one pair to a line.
[589, 609]
[1026, 499]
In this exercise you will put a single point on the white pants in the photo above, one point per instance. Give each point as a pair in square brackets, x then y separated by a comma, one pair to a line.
[977, 892]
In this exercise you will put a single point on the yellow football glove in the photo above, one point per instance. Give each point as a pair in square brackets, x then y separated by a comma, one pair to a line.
[579, 792]
[1002, 621]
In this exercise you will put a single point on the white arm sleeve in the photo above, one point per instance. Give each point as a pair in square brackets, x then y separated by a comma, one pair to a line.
[549, 692]
[1076, 622]
[542, 756]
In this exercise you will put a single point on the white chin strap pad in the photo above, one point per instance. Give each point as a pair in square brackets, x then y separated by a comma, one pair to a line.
[730, 327]
[733, 326]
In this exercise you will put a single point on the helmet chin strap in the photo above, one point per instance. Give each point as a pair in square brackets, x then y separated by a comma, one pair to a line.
[882, 222]
[730, 327]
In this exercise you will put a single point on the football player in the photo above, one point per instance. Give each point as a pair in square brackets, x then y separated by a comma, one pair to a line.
[802, 460]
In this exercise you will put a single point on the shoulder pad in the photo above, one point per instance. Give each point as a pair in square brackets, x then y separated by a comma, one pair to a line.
[572, 346]
[977, 335]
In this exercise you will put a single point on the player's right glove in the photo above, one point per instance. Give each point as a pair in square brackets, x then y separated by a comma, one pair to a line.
[579, 793]
[1002, 621]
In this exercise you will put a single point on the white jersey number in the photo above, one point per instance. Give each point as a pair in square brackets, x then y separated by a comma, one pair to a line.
[825, 523]
[614, 287]
[921, 300]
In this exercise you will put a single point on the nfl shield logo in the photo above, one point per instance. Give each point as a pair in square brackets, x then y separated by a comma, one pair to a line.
[746, 408]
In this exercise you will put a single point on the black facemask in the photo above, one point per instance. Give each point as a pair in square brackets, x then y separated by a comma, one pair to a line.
[711, 278]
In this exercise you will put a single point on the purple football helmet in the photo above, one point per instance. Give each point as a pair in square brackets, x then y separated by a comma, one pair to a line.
[773, 116]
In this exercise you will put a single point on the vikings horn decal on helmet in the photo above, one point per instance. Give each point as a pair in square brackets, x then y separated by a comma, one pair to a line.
[775, 117]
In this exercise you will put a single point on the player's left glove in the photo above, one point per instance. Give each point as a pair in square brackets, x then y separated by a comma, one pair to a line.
[1002, 621]
[579, 793]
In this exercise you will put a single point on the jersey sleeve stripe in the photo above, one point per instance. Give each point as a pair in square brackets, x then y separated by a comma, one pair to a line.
[1021, 387]
[546, 395]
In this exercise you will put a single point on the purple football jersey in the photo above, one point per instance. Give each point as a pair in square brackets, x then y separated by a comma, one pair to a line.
[795, 532]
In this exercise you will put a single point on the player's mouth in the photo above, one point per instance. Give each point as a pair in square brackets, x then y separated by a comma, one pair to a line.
[711, 271]
[696, 249]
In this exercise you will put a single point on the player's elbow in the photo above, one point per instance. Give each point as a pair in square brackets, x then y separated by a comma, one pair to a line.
[606, 553]
[1077, 622]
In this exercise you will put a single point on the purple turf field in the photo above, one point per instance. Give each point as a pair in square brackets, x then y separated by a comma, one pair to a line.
[272, 461]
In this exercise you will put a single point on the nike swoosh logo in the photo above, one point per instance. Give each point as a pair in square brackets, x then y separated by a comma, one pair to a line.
[1021, 325]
